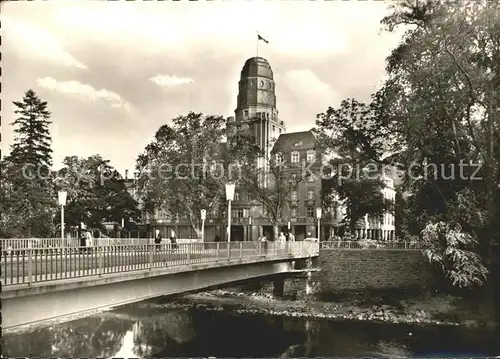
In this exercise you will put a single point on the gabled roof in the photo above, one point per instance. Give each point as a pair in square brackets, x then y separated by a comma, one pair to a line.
[288, 142]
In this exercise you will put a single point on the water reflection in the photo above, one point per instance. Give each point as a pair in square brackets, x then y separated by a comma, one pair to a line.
[162, 331]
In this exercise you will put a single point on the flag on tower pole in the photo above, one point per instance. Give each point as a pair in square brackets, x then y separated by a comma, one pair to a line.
[258, 39]
[261, 38]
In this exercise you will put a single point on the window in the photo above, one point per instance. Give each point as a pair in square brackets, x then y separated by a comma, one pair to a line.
[245, 212]
[310, 194]
[236, 196]
[295, 157]
[279, 158]
[310, 177]
[311, 156]
[310, 211]
[239, 213]
[293, 213]
[245, 114]
[294, 195]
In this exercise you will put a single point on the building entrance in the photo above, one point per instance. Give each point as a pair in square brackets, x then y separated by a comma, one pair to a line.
[237, 233]
[300, 233]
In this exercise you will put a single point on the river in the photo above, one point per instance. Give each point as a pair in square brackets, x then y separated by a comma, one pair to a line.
[162, 328]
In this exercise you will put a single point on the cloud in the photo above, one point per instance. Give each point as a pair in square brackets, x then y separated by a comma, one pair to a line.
[31, 40]
[77, 88]
[165, 80]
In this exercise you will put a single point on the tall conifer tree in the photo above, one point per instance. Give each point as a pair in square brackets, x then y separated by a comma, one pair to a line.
[28, 196]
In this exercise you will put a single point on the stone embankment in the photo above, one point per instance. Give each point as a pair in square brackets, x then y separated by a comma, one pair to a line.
[433, 311]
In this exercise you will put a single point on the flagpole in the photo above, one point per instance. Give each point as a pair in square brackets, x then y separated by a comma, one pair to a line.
[257, 44]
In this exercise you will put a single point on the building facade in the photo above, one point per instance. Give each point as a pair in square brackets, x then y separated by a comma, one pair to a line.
[256, 111]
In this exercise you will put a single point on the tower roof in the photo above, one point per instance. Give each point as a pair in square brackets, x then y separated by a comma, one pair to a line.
[256, 66]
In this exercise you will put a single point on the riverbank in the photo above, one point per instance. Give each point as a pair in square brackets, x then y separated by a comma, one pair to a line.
[436, 310]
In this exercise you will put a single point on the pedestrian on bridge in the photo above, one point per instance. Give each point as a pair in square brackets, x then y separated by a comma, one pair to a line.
[158, 239]
[173, 240]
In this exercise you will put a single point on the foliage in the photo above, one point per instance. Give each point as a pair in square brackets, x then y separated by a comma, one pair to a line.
[435, 114]
[352, 132]
[96, 192]
[182, 170]
[360, 193]
[450, 247]
[28, 199]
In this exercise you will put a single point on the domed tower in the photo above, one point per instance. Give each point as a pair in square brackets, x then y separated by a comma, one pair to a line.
[256, 104]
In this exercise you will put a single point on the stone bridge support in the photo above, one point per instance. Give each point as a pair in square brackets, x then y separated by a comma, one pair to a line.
[299, 283]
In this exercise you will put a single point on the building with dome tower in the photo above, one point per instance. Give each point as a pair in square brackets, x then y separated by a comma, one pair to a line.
[256, 111]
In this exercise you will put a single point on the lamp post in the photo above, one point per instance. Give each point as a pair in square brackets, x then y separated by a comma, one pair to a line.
[250, 227]
[61, 197]
[229, 197]
[318, 216]
[203, 217]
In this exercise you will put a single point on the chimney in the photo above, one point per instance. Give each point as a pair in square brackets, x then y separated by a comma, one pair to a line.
[126, 174]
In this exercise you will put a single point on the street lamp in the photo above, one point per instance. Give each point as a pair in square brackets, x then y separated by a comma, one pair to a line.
[318, 216]
[250, 227]
[229, 197]
[61, 197]
[203, 217]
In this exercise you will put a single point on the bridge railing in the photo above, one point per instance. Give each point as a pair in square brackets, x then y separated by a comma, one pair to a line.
[369, 245]
[15, 243]
[34, 265]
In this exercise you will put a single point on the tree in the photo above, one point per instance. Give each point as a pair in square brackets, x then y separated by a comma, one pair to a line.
[182, 169]
[28, 200]
[444, 80]
[96, 193]
[438, 111]
[265, 177]
[353, 134]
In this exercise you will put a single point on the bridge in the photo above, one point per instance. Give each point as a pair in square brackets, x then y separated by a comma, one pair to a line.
[50, 282]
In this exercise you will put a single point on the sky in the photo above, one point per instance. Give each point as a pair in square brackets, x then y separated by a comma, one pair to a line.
[114, 72]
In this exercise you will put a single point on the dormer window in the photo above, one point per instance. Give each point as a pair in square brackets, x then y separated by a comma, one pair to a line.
[297, 144]
[295, 157]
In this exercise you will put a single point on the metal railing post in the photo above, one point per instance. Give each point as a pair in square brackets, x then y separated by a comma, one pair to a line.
[30, 264]
[189, 251]
[241, 250]
[100, 259]
[150, 250]
[218, 248]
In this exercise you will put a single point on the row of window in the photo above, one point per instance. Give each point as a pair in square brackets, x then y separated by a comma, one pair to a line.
[294, 196]
[295, 157]
[245, 212]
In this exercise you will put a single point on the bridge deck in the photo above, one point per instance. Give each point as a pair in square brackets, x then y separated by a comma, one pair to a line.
[27, 266]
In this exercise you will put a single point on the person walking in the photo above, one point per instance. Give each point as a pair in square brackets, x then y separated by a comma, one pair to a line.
[158, 239]
[291, 237]
[264, 244]
[173, 240]
[281, 241]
